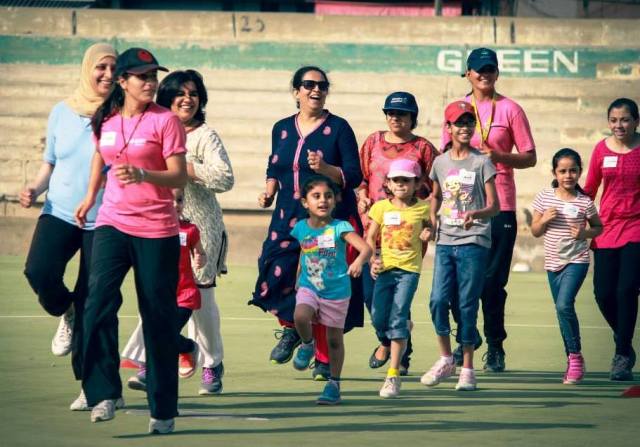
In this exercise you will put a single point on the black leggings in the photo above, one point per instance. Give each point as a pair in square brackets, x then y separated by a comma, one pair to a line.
[185, 344]
[616, 285]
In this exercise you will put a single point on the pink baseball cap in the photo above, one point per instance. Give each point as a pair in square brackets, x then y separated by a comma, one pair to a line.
[404, 168]
[456, 109]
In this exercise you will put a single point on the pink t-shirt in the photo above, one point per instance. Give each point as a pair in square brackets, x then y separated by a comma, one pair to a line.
[142, 210]
[510, 127]
[620, 201]
[560, 248]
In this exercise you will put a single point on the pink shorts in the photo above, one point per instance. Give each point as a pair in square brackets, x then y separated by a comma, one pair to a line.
[331, 313]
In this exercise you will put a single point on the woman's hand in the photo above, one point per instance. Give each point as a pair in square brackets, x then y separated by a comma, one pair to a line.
[265, 200]
[27, 197]
[199, 260]
[364, 203]
[128, 174]
[578, 232]
[82, 210]
[315, 160]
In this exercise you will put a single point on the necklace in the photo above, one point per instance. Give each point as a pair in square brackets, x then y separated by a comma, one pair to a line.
[128, 140]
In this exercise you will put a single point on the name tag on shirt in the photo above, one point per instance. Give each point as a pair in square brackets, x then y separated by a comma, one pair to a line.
[467, 177]
[183, 239]
[108, 139]
[326, 241]
[392, 218]
[570, 210]
[610, 161]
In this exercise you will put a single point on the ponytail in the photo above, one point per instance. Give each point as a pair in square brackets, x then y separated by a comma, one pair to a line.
[110, 106]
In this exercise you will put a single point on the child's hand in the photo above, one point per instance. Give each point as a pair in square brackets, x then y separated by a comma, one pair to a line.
[468, 220]
[355, 269]
[364, 203]
[548, 215]
[425, 234]
[376, 267]
[199, 260]
[578, 232]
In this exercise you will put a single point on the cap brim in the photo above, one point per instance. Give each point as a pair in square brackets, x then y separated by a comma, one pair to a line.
[141, 69]
[400, 173]
[400, 109]
[486, 64]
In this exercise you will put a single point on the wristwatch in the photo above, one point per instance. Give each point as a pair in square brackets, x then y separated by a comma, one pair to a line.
[143, 174]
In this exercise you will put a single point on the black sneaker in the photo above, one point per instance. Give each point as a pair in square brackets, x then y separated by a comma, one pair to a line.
[321, 371]
[458, 355]
[494, 360]
[289, 341]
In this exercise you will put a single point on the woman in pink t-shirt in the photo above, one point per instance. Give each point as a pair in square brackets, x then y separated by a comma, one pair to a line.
[379, 150]
[140, 151]
[501, 125]
[615, 163]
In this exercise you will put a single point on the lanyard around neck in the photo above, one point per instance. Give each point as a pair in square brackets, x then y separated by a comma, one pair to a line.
[484, 130]
[125, 140]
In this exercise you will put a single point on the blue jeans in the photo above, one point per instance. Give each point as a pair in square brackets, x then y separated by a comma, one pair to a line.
[565, 285]
[392, 296]
[459, 270]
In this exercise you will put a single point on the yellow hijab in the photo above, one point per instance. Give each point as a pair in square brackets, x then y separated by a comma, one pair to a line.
[84, 100]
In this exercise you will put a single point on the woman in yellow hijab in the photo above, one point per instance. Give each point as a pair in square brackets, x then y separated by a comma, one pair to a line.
[64, 175]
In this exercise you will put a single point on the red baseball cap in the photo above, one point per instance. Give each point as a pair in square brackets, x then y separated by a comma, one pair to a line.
[456, 109]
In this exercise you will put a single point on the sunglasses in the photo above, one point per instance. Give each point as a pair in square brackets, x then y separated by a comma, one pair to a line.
[398, 113]
[310, 85]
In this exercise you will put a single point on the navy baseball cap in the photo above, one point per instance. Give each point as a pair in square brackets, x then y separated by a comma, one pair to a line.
[480, 58]
[402, 101]
[136, 61]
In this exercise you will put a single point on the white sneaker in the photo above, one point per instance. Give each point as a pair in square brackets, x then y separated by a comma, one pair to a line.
[104, 411]
[61, 342]
[80, 404]
[390, 388]
[466, 381]
[438, 372]
[161, 426]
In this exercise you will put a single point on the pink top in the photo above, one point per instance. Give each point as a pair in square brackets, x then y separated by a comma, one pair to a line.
[377, 154]
[620, 201]
[143, 210]
[560, 248]
[509, 127]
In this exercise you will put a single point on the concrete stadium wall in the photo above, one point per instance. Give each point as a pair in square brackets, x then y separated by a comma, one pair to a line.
[563, 72]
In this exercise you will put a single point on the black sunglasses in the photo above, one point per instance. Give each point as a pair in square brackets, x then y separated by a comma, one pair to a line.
[310, 85]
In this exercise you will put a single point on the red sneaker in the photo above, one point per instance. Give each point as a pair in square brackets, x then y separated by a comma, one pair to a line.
[187, 363]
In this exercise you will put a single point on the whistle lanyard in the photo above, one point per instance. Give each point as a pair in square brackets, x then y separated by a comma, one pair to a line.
[484, 130]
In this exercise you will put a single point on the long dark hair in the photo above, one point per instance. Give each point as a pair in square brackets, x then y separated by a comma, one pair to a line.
[630, 104]
[173, 82]
[566, 152]
[296, 80]
[111, 105]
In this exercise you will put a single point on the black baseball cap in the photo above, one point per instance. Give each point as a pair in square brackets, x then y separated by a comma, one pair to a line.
[402, 101]
[480, 58]
[136, 61]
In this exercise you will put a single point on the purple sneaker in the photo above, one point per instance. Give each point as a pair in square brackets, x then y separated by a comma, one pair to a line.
[139, 381]
[211, 380]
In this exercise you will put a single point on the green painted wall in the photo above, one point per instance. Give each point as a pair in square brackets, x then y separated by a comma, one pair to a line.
[518, 61]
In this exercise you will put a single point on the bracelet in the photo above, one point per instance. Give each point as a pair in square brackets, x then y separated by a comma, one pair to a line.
[143, 174]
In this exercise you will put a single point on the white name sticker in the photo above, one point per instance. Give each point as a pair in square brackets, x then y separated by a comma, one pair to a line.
[183, 239]
[108, 139]
[467, 177]
[326, 241]
[570, 210]
[392, 218]
[610, 161]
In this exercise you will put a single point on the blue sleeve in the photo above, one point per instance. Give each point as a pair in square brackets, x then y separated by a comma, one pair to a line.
[49, 149]
[343, 227]
[298, 230]
[274, 138]
[348, 148]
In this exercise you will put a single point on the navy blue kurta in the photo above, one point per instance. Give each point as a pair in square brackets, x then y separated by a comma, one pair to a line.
[288, 164]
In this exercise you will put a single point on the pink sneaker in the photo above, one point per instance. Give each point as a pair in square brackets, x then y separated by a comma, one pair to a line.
[575, 369]
[438, 372]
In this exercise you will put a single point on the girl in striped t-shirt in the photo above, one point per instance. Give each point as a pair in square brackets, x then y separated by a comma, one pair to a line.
[560, 213]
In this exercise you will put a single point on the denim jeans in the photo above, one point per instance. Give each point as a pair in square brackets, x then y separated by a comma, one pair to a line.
[565, 285]
[459, 271]
[392, 296]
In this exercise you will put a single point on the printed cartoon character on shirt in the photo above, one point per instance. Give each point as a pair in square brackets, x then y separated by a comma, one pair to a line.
[320, 256]
[456, 195]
